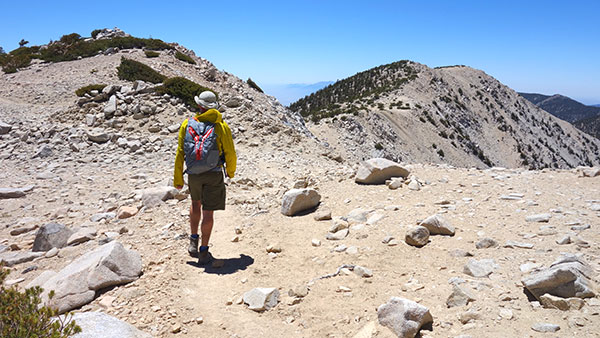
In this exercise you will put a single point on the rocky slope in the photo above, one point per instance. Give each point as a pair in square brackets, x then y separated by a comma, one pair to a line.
[92, 165]
[457, 115]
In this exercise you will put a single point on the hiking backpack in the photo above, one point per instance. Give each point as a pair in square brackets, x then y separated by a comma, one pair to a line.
[200, 147]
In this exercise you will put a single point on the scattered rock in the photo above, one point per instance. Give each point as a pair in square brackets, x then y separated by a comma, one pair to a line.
[362, 271]
[545, 327]
[11, 258]
[19, 231]
[417, 236]
[539, 218]
[299, 291]
[553, 302]
[589, 172]
[103, 215]
[297, 200]
[126, 212]
[469, 316]
[82, 235]
[51, 235]
[98, 135]
[6, 193]
[358, 215]
[322, 215]
[437, 225]
[378, 170]
[4, 128]
[485, 243]
[480, 268]
[512, 244]
[46, 151]
[338, 235]
[404, 317]
[568, 277]
[76, 284]
[152, 197]
[260, 299]
[101, 325]
[459, 297]
[315, 242]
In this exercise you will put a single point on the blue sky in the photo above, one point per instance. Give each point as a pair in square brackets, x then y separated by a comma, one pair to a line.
[533, 46]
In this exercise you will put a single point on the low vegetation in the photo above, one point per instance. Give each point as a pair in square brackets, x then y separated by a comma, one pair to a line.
[22, 316]
[71, 47]
[182, 88]
[151, 54]
[186, 58]
[132, 70]
[88, 89]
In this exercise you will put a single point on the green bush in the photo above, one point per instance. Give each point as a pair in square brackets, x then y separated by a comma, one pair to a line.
[70, 38]
[95, 33]
[11, 63]
[132, 70]
[441, 153]
[184, 89]
[87, 89]
[185, 58]
[151, 54]
[254, 85]
[21, 316]
[378, 146]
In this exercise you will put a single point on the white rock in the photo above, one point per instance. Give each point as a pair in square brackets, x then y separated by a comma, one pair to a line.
[378, 170]
[101, 325]
[297, 200]
[260, 299]
[538, 218]
[404, 317]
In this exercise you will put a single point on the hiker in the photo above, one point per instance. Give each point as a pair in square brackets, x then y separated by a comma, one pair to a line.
[205, 143]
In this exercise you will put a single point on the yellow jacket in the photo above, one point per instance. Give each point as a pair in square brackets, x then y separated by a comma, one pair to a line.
[224, 143]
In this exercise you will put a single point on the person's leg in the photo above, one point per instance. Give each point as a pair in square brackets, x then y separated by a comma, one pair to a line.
[195, 213]
[206, 226]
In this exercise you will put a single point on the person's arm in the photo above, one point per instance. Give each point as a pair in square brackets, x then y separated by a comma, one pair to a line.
[179, 157]
[228, 150]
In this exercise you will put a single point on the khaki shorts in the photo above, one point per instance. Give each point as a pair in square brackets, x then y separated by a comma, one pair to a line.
[209, 189]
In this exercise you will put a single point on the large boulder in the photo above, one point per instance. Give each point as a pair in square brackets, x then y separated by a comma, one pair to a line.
[569, 276]
[51, 235]
[101, 325]
[437, 225]
[297, 200]
[404, 317]
[76, 284]
[378, 170]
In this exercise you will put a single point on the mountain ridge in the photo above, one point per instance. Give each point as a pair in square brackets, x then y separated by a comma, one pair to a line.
[467, 117]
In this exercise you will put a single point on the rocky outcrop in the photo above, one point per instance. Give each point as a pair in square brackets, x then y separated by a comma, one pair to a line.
[101, 325]
[77, 283]
[378, 170]
[569, 276]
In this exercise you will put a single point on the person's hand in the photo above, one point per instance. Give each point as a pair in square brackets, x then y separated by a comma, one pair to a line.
[178, 187]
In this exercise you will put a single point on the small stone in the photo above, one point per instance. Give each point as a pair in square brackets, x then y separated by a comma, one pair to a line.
[417, 236]
[506, 314]
[51, 253]
[485, 243]
[480, 268]
[299, 291]
[363, 272]
[545, 327]
[545, 218]
[566, 239]
[459, 297]
[260, 299]
[322, 215]
[315, 242]
[199, 320]
[553, 302]
[155, 308]
[469, 316]
[437, 225]
[126, 212]
[176, 328]
[235, 239]
[339, 235]
[513, 244]
[274, 248]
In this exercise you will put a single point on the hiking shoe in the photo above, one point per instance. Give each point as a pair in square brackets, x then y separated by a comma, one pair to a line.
[193, 248]
[204, 257]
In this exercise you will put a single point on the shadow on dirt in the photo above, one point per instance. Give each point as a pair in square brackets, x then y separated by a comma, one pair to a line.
[230, 265]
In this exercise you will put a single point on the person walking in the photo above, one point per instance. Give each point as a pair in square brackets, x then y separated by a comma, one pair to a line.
[206, 144]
